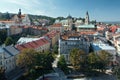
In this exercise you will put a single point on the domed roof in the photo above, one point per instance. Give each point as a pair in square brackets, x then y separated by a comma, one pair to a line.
[69, 17]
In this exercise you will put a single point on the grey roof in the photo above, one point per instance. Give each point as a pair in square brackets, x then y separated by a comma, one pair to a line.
[10, 51]
[1, 50]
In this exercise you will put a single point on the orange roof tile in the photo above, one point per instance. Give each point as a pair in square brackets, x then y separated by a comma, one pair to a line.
[56, 25]
[88, 32]
[33, 44]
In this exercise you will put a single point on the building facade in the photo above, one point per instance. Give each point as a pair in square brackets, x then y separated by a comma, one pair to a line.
[8, 57]
[66, 45]
[56, 27]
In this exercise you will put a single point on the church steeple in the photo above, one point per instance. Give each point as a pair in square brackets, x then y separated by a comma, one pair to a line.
[19, 13]
[87, 18]
[19, 16]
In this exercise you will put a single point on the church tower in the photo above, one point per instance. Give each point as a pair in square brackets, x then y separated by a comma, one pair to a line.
[19, 16]
[87, 18]
[19, 13]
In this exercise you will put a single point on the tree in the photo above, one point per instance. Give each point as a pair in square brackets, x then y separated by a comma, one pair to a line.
[3, 36]
[7, 16]
[118, 73]
[27, 58]
[9, 41]
[55, 49]
[92, 59]
[2, 74]
[77, 57]
[62, 63]
[99, 60]
[44, 60]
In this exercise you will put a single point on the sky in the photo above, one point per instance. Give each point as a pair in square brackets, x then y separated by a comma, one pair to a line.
[100, 10]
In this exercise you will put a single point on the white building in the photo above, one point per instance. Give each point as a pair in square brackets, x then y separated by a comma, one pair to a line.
[79, 22]
[67, 23]
[66, 45]
[99, 45]
[8, 56]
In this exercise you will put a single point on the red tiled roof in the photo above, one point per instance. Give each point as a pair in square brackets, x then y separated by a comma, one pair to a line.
[88, 32]
[33, 44]
[7, 21]
[51, 34]
[113, 28]
[56, 25]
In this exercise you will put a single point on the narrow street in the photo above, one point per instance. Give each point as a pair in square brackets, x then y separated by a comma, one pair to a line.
[57, 70]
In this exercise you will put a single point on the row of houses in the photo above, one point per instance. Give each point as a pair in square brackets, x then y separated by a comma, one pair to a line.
[85, 41]
[41, 44]
[8, 54]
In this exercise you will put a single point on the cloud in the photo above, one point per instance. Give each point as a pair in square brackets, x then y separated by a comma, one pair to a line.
[39, 7]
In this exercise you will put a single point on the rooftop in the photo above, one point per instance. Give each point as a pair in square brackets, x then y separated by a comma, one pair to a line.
[86, 26]
[101, 45]
[9, 51]
[23, 40]
[56, 25]
[51, 34]
[33, 45]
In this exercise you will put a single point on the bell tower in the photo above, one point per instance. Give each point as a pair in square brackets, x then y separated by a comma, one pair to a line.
[19, 16]
[87, 18]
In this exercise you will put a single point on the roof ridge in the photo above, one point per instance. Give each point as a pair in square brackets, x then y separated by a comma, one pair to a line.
[8, 52]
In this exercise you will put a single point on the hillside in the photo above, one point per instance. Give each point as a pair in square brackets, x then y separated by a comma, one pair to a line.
[8, 16]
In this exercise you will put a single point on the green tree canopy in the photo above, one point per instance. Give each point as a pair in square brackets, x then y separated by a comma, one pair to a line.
[3, 36]
[44, 60]
[62, 63]
[9, 41]
[27, 58]
[77, 57]
[55, 49]
[99, 60]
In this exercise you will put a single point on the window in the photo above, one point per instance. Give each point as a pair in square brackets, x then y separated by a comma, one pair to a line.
[65, 43]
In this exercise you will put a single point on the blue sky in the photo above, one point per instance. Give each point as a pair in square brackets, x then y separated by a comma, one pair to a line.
[101, 10]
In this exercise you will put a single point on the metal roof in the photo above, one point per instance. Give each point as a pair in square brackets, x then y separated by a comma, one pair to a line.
[86, 26]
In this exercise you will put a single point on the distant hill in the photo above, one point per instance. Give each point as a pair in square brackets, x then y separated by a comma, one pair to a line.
[35, 17]
[8, 16]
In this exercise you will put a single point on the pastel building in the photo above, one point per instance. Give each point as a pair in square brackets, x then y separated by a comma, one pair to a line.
[21, 20]
[56, 27]
[52, 37]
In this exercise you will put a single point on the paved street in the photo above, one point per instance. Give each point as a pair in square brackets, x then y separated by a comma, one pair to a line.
[57, 70]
